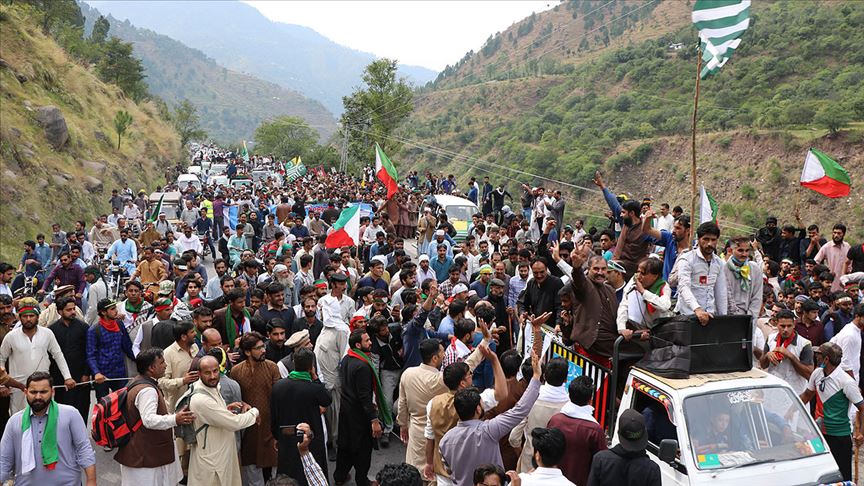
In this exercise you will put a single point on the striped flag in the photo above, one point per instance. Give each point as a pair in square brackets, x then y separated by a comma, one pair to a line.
[386, 172]
[720, 24]
[825, 176]
[346, 229]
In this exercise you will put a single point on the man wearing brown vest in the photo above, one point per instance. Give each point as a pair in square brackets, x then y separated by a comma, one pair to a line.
[150, 456]
[441, 416]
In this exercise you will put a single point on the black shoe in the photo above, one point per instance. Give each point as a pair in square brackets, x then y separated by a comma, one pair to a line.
[385, 441]
[184, 480]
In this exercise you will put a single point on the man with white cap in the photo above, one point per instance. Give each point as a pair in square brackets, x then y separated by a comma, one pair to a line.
[336, 309]
[440, 239]
[424, 271]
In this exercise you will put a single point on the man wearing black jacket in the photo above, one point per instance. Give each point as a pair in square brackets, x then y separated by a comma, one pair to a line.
[541, 292]
[627, 462]
[71, 334]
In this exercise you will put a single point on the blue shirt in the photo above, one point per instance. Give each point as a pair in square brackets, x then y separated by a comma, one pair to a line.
[671, 254]
[441, 269]
[478, 287]
[371, 282]
[125, 252]
[106, 350]
[43, 254]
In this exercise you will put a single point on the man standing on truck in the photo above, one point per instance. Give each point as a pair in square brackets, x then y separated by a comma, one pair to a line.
[701, 279]
[836, 390]
[787, 354]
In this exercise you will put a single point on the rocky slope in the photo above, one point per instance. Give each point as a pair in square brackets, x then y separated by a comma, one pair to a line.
[58, 150]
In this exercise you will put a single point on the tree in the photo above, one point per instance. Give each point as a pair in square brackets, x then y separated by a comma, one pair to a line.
[187, 122]
[120, 67]
[58, 12]
[285, 137]
[373, 113]
[833, 116]
[122, 121]
[100, 30]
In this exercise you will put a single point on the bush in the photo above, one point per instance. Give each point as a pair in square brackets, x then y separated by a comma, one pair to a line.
[749, 192]
[724, 142]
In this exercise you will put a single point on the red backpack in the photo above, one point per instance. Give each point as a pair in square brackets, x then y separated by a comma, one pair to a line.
[110, 422]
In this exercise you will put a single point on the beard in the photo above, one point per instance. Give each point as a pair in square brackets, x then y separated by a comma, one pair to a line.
[286, 282]
[38, 405]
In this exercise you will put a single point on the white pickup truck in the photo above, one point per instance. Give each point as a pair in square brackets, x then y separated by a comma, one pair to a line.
[729, 429]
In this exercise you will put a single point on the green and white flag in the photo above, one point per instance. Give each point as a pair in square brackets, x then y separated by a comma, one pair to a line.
[293, 172]
[244, 154]
[720, 24]
[707, 207]
[156, 209]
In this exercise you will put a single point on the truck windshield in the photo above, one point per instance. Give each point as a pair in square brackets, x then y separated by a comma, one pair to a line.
[734, 428]
[460, 213]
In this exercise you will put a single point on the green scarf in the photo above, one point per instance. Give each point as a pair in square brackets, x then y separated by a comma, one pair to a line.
[133, 309]
[231, 327]
[50, 453]
[383, 407]
[300, 375]
[741, 271]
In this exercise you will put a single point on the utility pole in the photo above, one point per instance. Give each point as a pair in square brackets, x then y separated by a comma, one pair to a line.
[343, 159]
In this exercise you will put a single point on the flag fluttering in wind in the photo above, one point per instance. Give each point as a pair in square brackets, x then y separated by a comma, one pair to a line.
[156, 209]
[825, 176]
[346, 229]
[295, 169]
[707, 207]
[386, 172]
[720, 24]
[244, 154]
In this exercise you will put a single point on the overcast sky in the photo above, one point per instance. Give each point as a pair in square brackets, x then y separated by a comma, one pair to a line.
[432, 34]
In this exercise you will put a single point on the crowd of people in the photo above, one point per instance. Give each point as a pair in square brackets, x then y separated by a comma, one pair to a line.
[290, 358]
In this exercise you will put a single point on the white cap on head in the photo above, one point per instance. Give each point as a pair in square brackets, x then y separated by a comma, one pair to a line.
[423, 257]
[439, 232]
[459, 288]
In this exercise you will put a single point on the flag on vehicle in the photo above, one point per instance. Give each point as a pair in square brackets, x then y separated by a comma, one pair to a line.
[720, 24]
[245, 152]
[825, 176]
[386, 172]
[707, 207]
[156, 209]
[346, 229]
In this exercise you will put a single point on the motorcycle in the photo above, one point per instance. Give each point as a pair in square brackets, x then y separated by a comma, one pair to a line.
[205, 240]
[116, 277]
[24, 286]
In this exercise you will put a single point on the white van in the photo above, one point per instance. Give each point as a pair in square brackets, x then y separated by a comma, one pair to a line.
[729, 429]
[194, 169]
[183, 181]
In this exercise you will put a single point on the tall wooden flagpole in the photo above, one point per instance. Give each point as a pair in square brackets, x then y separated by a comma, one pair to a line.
[693, 192]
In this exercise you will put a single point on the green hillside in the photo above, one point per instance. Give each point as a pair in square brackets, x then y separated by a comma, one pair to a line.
[43, 184]
[231, 104]
[799, 71]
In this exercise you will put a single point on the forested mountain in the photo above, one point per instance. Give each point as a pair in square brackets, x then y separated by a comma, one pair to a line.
[615, 92]
[231, 104]
[239, 37]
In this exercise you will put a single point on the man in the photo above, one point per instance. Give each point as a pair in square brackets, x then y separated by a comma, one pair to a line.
[332, 345]
[834, 255]
[135, 310]
[517, 284]
[157, 332]
[189, 241]
[256, 377]
[836, 390]
[552, 397]
[297, 399]
[375, 277]
[583, 435]
[474, 442]
[108, 345]
[849, 341]
[178, 359]
[674, 240]
[627, 462]
[309, 321]
[440, 239]
[25, 350]
[549, 451]
[67, 273]
[71, 334]
[151, 270]
[46, 443]
[276, 309]
[364, 412]
[237, 244]
[769, 237]
[96, 290]
[124, 250]
[425, 229]
[744, 281]
[701, 280]
[217, 463]
[441, 416]
[808, 324]
[52, 313]
[480, 285]
[150, 457]
[277, 332]
[213, 289]
[234, 319]
[788, 355]
[541, 292]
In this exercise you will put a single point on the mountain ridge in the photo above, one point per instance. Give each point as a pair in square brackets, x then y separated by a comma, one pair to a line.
[254, 44]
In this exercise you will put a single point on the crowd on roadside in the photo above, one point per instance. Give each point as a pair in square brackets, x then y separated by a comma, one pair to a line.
[290, 358]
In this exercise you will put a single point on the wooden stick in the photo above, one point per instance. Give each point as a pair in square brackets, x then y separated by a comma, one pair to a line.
[693, 220]
[857, 447]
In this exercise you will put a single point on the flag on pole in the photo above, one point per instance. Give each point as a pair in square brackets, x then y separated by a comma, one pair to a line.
[245, 152]
[824, 175]
[720, 24]
[156, 209]
[707, 207]
[386, 172]
[346, 229]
